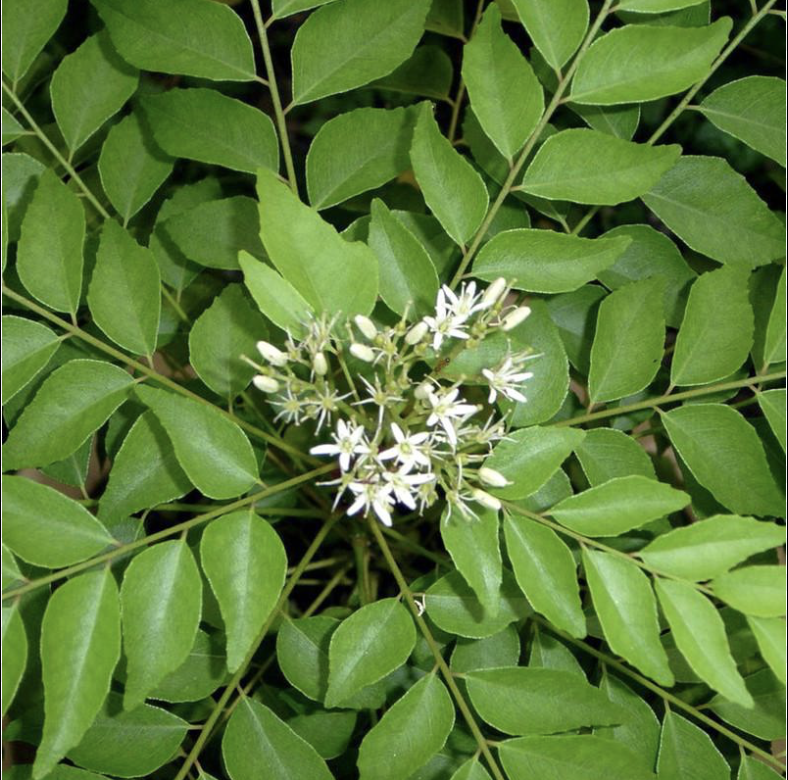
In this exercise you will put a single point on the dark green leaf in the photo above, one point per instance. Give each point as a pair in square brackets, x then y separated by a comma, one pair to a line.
[687, 751]
[26, 33]
[14, 652]
[606, 453]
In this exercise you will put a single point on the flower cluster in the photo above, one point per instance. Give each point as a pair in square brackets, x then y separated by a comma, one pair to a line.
[402, 435]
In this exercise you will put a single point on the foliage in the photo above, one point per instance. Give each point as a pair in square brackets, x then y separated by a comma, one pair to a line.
[589, 586]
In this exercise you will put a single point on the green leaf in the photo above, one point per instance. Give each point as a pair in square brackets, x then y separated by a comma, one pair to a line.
[556, 758]
[655, 6]
[161, 600]
[44, 527]
[283, 8]
[471, 770]
[189, 37]
[606, 453]
[474, 548]
[74, 401]
[453, 190]
[14, 652]
[725, 455]
[27, 348]
[89, 86]
[619, 121]
[529, 457]
[302, 652]
[770, 635]
[131, 166]
[453, 607]
[710, 547]
[545, 261]
[408, 281]
[753, 590]
[21, 174]
[331, 274]
[714, 211]
[207, 126]
[124, 295]
[446, 17]
[357, 151]
[766, 720]
[754, 769]
[344, 45]
[27, 33]
[212, 450]
[618, 506]
[546, 572]
[329, 733]
[772, 403]
[129, 744]
[574, 314]
[255, 737]
[246, 564]
[202, 672]
[494, 69]
[557, 27]
[77, 665]
[774, 344]
[629, 339]
[227, 329]
[687, 751]
[751, 109]
[533, 700]
[11, 127]
[49, 256]
[428, 73]
[586, 166]
[700, 636]
[627, 610]
[409, 734]
[368, 645]
[638, 63]
[501, 649]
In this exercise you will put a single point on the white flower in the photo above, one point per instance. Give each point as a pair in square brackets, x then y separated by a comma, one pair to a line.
[514, 318]
[378, 396]
[455, 499]
[349, 441]
[290, 407]
[492, 477]
[405, 485]
[372, 495]
[270, 353]
[506, 378]
[445, 409]
[266, 384]
[408, 450]
[326, 403]
[445, 323]
[465, 304]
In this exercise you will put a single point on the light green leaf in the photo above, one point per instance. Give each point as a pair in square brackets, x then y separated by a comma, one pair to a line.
[409, 734]
[754, 590]
[212, 450]
[501, 649]
[725, 455]
[331, 274]
[774, 343]
[89, 86]
[629, 339]
[352, 42]
[10, 569]
[49, 256]
[227, 329]
[255, 737]
[131, 166]
[618, 121]
[618, 506]
[161, 601]
[453, 190]
[202, 672]
[207, 126]
[408, 281]
[710, 547]
[494, 69]
[546, 572]
[124, 295]
[638, 63]
[356, 152]
[14, 652]
[586, 166]
[471, 770]
[189, 37]
[766, 720]
[714, 211]
[302, 653]
[74, 401]
[427, 73]
[606, 453]
[26, 33]
[687, 751]
[627, 610]
[751, 109]
[699, 634]
[474, 548]
[246, 564]
[27, 348]
[283, 8]
[77, 665]
[770, 635]
[529, 457]
[772, 403]
[574, 314]
[329, 733]
[21, 174]
[655, 6]
[446, 17]
[754, 769]
[556, 27]
[44, 527]
[11, 127]
[545, 261]
[368, 645]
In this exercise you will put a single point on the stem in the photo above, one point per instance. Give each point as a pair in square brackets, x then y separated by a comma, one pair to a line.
[273, 87]
[442, 665]
[457, 104]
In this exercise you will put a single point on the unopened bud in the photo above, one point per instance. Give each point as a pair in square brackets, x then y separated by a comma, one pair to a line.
[486, 500]
[366, 326]
[270, 353]
[362, 352]
[514, 318]
[416, 333]
[492, 477]
[266, 383]
[320, 364]
[493, 292]
[423, 391]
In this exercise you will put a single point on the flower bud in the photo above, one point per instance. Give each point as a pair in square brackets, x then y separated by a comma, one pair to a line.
[366, 326]
[492, 477]
[514, 318]
[266, 383]
[270, 353]
[416, 333]
[362, 352]
[422, 392]
[320, 364]
[486, 500]
[493, 292]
